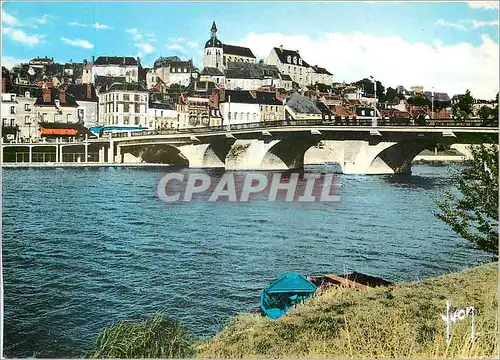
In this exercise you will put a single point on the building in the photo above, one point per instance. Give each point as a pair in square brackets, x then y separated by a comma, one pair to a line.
[27, 118]
[171, 70]
[87, 100]
[162, 116]
[124, 104]
[300, 107]
[290, 62]
[217, 55]
[321, 76]
[55, 106]
[10, 128]
[41, 62]
[213, 74]
[114, 66]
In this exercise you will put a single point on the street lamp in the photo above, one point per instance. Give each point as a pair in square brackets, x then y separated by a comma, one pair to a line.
[432, 103]
[374, 120]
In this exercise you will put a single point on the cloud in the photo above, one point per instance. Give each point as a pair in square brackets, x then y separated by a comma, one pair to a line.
[176, 47]
[20, 36]
[466, 24]
[77, 43]
[9, 62]
[483, 4]
[478, 24]
[180, 39]
[42, 20]
[451, 68]
[145, 48]
[9, 19]
[459, 26]
[137, 36]
[97, 25]
[192, 44]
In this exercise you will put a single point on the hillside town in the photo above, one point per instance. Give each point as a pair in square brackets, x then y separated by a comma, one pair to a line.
[43, 99]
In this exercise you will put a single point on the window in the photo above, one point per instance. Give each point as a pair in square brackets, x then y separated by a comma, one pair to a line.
[12, 122]
[27, 120]
[137, 98]
[44, 117]
[12, 110]
[126, 120]
[300, 61]
[4, 122]
[126, 107]
[137, 120]
[126, 97]
[13, 98]
[27, 107]
[116, 108]
[57, 117]
[362, 112]
[289, 59]
[137, 108]
[295, 60]
[27, 94]
[161, 113]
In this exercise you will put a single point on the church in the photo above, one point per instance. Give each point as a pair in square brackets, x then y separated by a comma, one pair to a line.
[217, 55]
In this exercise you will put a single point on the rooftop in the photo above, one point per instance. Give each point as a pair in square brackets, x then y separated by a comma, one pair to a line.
[237, 50]
[115, 60]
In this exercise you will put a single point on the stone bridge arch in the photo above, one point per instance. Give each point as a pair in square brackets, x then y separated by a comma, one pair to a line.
[153, 153]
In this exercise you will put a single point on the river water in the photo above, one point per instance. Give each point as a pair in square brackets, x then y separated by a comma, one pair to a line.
[84, 248]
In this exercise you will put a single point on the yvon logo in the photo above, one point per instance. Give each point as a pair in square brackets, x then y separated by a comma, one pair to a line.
[245, 186]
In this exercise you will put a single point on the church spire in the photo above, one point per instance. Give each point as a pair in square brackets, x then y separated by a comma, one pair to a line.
[213, 30]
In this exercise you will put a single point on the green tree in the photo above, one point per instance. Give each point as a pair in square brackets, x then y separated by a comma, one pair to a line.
[419, 100]
[390, 94]
[368, 86]
[463, 109]
[473, 214]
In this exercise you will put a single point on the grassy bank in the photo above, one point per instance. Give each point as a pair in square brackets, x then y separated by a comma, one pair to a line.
[402, 322]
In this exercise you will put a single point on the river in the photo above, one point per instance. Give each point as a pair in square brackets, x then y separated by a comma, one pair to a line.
[84, 248]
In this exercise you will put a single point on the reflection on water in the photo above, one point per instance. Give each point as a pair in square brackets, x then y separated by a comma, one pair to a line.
[84, 248]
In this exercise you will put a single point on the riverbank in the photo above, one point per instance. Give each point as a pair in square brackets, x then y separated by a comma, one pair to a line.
[401, 322]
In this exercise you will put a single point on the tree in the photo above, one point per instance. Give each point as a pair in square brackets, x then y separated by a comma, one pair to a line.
[474, 213]
[419, 100]
[463, 109]
[390, 94]
[368, 86]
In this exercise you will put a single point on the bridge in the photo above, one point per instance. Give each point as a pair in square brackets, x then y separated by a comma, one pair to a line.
[359, 149]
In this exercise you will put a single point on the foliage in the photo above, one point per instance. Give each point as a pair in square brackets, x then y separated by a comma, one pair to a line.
[400, 322]
[419, 100]
[421, 121]
[463, 109]
[157, 337]
[390, 94]
[474, 213]
[368, 86]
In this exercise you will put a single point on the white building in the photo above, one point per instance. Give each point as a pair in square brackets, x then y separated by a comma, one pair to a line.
[162, 116]
[9, 113]
[116, 66]
[124, 104]
[87, 100]
[291, 63]
[217, 55]
[171, 70]
[27, 118]
[321, 75]
[240, 107]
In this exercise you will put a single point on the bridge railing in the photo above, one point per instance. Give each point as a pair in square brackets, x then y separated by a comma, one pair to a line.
[315, 122]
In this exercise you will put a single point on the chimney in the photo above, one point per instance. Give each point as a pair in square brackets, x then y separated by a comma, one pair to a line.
[62, 96]
[89, 91]
[46, 95]
[3, 86]
[124, 60]
[281, 47]
[93, 58]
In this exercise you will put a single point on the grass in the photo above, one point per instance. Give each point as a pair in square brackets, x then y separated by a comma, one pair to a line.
[157, 337]
[402, 322]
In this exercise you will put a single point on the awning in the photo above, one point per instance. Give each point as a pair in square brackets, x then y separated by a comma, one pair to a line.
[58, 131]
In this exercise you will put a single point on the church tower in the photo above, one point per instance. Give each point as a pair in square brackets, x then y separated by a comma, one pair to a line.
[213, 55]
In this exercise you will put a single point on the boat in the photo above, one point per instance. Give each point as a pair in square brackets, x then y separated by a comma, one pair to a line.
[283, 293]
[353, 279]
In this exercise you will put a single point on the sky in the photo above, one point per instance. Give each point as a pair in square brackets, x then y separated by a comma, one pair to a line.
[448, 46]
